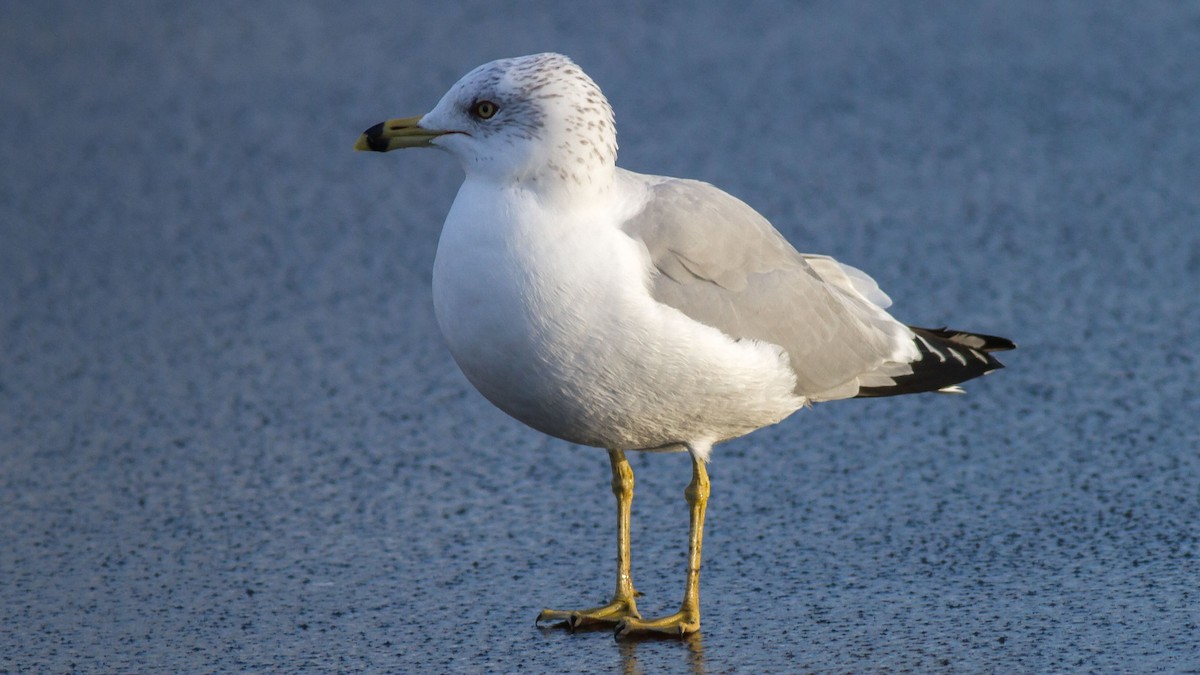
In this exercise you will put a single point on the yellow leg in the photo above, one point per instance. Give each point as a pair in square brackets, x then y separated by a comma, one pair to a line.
[687, 619]
[623, 604]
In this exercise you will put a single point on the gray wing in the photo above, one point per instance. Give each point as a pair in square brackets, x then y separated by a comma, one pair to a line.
[722, 264]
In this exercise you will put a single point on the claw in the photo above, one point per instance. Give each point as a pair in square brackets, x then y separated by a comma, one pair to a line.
[546, 615]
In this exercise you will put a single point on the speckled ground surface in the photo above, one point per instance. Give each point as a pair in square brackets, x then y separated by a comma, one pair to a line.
[231, 439]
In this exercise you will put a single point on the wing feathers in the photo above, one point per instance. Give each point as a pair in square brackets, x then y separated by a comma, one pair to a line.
[722, 264]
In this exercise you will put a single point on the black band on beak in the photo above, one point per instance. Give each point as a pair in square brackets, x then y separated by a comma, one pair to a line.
[375, 139]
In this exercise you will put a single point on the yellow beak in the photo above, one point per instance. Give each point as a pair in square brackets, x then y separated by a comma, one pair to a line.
[396, 134]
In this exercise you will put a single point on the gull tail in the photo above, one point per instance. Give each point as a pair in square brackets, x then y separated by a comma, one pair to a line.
[947, 357]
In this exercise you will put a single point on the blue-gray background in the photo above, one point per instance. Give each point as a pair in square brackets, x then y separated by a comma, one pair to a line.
[231, 439]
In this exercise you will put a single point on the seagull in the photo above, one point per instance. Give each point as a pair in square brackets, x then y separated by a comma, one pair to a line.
[633, 312]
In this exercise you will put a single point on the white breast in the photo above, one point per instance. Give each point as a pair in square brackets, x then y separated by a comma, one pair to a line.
[531, 308]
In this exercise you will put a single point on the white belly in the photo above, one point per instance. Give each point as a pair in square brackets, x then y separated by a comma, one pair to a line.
[552, 322]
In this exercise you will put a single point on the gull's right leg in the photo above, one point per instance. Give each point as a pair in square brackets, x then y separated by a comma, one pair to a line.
[623, 604]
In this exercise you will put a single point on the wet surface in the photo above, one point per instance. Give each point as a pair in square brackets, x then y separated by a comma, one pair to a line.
[231, 439]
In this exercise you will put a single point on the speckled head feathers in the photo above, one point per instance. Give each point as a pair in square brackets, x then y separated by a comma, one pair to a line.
[550, 121]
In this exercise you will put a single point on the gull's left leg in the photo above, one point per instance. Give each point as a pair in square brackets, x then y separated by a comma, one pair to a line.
[687, 619]
[623, 604]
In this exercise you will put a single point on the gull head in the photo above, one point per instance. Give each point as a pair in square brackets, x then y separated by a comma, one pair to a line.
[536, 118]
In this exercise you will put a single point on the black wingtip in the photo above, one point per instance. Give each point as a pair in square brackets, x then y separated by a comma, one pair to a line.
[948, 357]
[980, 341]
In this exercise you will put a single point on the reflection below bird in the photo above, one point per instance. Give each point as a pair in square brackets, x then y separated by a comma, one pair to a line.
[634, 312]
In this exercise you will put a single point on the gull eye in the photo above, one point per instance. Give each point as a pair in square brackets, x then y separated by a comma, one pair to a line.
[484, 110]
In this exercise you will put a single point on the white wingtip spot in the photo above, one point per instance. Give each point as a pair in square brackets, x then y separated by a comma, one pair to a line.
[930, 348]
[957, 357]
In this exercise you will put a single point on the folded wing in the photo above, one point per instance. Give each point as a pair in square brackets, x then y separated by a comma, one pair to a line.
[721, 263]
